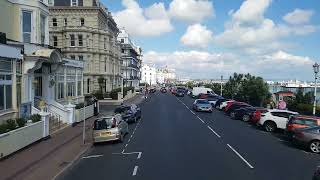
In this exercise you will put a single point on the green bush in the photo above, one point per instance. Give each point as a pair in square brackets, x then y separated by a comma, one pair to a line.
[3, 128]
[98, 95]
[35, 118]
[114, 93]
[11, 124]
[21, 122]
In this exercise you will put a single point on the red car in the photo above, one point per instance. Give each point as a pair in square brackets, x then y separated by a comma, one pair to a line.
[231, 103]
[257, 115]
[300, 121]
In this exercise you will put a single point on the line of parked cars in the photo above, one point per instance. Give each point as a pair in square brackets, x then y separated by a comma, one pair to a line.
[115, 127]
[300, 129]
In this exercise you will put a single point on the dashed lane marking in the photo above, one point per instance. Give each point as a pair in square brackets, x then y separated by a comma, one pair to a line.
[135, 171]
[192, 112]
[214, 132]
[92, 156]
[239, 155]
[200, 119]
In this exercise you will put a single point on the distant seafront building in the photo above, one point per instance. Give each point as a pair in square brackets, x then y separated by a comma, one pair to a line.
[130, 60]
[149, 74]
[85, 31]
[166, 75]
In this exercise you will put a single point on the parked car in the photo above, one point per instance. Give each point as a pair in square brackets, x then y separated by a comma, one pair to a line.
[225, 104]
[275, 119]
[255, 117]
[231, 110]
[219, 102]
[316, 174]
[308, 137]
[246, 113]
[198, 90]
[110, 128]
[300, 121]
[163, 90]
[129, 113]
[202, 105]
[213, 99]
[180, 92]
[173, 91]
[152, 90]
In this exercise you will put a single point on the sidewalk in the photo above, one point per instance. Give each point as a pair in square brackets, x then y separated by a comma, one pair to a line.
[45, 159]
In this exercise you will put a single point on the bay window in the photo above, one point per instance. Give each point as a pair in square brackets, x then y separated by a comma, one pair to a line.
[26, 26]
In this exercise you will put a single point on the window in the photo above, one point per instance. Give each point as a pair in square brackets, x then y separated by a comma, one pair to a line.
[79, 93]
[55, 41]
[80, 58]
[88, 85]
[54, 22]
[82, 21]
[80, 40]
[42, 29]
[122, 40]
[105, 43]
[60, 83]
[26, 26]
[74, 2]
[5, 85]
[73, 57]
[51, 2]
[65, 21]
[72, 40]
[122, 50]
[105, 64]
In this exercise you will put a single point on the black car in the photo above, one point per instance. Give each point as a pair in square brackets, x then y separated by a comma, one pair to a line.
[235, 106]
[180, 92]
[163, 90]
[219, 101]
[245, 113]
[129, 113]
[153, 90]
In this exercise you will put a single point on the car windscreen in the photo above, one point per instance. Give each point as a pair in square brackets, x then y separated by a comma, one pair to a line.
[102, 124]
[203, 102]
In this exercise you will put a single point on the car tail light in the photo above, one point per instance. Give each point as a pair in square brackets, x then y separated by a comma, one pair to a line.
[299, 134]
[114, 123]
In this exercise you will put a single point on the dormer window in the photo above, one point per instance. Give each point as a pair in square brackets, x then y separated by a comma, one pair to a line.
[74, 2]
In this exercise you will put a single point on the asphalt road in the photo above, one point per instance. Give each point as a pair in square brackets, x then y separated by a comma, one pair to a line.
[174, 142]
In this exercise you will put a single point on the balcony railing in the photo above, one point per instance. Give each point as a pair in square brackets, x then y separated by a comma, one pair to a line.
[132, 78]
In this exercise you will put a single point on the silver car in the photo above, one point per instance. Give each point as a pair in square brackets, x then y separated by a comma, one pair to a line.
[309, 137]
[110, 128]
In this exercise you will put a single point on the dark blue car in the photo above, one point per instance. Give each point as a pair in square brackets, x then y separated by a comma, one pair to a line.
[129, 113]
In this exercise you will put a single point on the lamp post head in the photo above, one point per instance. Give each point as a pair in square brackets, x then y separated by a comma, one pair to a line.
[316, 68]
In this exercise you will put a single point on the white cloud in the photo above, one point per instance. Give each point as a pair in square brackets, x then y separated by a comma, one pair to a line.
[298, 16]
[152, 21]
[197, 64]
[251, 11]
[197, 36]
[191, 10]
[285, 58]
[250, 31]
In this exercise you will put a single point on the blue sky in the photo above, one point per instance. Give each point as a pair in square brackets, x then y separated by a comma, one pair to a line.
[275, 39]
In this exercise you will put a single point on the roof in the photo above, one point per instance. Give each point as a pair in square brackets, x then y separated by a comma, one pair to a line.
[279, 110]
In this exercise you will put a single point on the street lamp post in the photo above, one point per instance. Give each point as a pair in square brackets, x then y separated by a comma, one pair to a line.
[316, 71]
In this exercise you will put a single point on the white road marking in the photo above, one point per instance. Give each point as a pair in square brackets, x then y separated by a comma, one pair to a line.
[187, 107]
[239, 155]
[126, 145]
[139, 155]
[92, 156]
[192, 112]
[135, 171]
[129, 140]
[131, 136]
[200, 119]
[214, 132]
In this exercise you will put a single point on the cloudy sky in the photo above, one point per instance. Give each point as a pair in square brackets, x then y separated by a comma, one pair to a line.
[275, 39]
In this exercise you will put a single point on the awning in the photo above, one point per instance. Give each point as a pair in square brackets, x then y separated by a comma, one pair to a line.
[10, 52]
[52, 54]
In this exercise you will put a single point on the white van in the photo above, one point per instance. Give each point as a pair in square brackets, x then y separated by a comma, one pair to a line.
[198, 90]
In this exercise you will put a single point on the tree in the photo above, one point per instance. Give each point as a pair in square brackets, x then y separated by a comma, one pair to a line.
[247, 88]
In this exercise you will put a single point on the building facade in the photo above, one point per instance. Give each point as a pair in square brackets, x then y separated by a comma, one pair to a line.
[31, 71]
[130, 60]
[84, 30]
[149, 74]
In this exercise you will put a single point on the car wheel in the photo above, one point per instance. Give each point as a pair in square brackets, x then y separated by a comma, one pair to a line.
[233, 115]
[270, 126]
[314, 146]
[245, 118]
